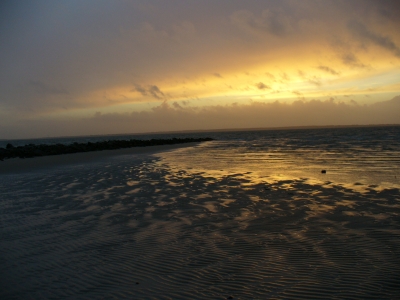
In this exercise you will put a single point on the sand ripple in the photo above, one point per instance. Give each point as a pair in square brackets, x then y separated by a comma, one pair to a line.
[137, 229]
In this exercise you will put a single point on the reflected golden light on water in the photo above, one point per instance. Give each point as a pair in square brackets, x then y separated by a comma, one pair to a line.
[262, 164]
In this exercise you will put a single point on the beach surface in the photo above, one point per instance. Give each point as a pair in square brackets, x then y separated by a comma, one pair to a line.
[141, 226]
[33, 164]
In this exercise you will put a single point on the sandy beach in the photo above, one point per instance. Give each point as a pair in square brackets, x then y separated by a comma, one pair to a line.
[19, 165]
[142, 227]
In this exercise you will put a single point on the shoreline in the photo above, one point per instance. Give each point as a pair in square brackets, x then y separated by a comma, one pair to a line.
[26, 165]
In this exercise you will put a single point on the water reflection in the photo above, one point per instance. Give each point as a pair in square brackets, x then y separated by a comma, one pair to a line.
[222, 158]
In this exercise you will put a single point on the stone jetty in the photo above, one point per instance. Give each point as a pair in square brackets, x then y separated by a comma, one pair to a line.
[32, 150]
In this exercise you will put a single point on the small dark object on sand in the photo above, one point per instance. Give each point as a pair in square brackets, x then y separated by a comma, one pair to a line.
[230, 297]
[323, 171]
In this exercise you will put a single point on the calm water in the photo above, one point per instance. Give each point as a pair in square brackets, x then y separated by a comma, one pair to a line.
[247, 216]
[355, 156]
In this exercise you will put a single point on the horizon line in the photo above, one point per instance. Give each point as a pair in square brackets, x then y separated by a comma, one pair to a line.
[214, 130]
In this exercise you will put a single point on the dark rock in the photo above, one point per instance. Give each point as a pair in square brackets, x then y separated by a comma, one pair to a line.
[323, 171]
[32, 150]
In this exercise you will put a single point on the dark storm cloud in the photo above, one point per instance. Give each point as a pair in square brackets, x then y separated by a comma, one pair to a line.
[328, 70]
[151, 90]
[361, 31]
[155, 92]
[141, 90]
[350, 59]
[262, 86]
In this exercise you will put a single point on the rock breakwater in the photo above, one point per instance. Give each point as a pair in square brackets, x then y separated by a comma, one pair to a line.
[32, 150]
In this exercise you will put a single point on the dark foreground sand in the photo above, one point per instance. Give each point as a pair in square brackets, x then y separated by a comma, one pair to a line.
[143, 228]
[23, 165]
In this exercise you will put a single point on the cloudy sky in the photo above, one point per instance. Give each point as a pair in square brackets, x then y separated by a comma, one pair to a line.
[78, 67]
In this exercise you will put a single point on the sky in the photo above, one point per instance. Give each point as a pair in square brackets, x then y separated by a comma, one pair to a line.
[86, 67]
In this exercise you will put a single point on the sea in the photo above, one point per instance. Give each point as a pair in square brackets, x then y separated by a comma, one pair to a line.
[258, 214]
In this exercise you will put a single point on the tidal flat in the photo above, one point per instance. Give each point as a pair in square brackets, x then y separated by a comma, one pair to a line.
[200, 222]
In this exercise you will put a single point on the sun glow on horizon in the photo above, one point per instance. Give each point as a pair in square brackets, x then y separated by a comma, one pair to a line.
[136, 63]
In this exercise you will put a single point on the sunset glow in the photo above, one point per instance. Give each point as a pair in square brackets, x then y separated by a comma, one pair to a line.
[70, 62]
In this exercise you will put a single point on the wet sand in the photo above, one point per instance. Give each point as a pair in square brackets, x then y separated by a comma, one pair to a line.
[23, 165]
[137, 228]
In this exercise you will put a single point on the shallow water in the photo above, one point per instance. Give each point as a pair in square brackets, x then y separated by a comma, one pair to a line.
[351, 156]
[204, 223]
